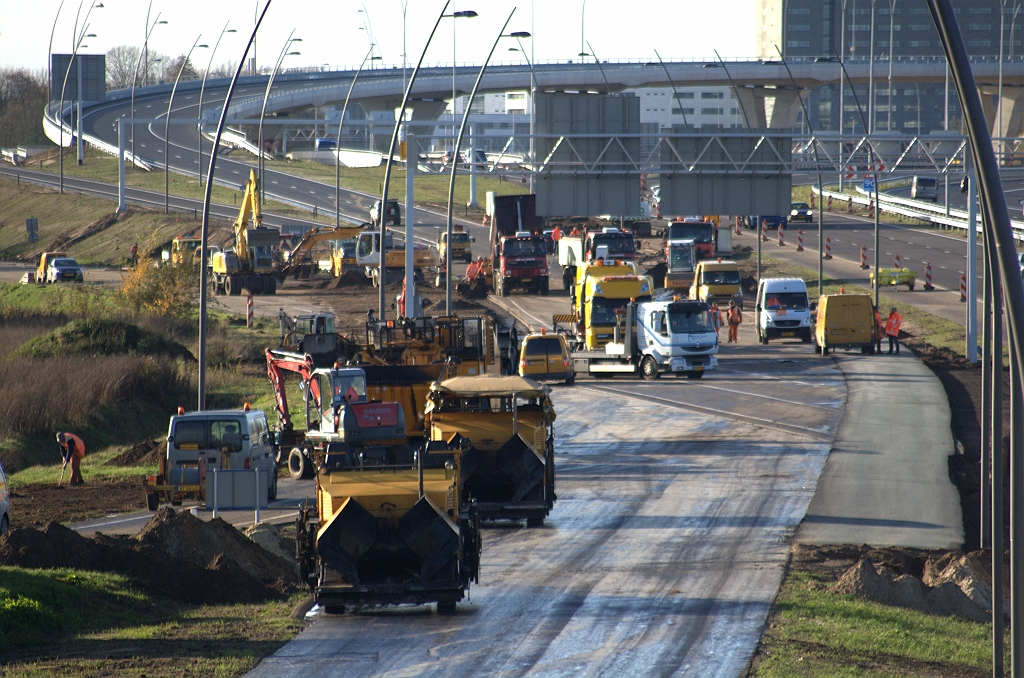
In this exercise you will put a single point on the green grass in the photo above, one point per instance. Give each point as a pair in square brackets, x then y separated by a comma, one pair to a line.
[94, 465]
[813, 632]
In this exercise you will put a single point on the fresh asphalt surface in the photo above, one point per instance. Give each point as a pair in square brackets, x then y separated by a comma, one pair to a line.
[677, 502]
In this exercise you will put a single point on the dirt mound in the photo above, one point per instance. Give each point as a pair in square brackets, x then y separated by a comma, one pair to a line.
[971, 572]
[94, 336]
[143, 454]
[188, 538]
[270, 539]
[176, 555]
[92, 229]
[352, 279]
[886, 587]
[37, 504]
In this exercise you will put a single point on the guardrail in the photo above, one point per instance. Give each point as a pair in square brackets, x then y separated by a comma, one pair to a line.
[52, 130]
[915, 209]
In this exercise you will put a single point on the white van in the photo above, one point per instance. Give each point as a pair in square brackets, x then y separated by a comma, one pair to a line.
[782, 310]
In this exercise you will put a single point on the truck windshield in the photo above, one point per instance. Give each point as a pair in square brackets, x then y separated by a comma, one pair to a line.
[796, 301]
[690, 321]
[681, 258]
[524, 248]
[701, 233]
[603, 310]
[617, 244]
[720, 278]
[460, 237]
[341, 382]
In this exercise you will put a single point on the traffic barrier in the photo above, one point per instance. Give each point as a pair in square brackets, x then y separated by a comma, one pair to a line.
[963, 287]
[849, 205]
[896, 263]
[764, 231]
[738, 220]
[782, 241]
[828, 248]
[829, 208]
[871, 209]
[864, 257]
[800, 240]
[928, 276]
[810, 197]
[248, 310]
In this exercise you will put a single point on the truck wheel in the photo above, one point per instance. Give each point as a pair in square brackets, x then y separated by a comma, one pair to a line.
[152, 502]
[694, 375]
[299, 465]
[446, 607]
[229, 286]
[270, 285]
[649, 369]
[502, 289]
[535, 522]
[824, 349]
[272, 490]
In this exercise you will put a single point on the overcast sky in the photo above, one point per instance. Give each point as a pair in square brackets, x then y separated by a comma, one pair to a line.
[333, 32]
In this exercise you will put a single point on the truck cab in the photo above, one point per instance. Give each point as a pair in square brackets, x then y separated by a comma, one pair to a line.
[392, 217]
[610, 243]
[460, 246]
[185, 250]
[701, 232]
[600, 298]
[717, 280]
[521, 262]
[782, 310]
[368, 256]
[681, 258]
[676, 337]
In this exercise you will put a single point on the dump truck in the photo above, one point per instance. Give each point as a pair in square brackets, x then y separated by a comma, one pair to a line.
[717, 280]
[702, 232]
[251, 263]
[368, 256]
[608, 244]
[518, 252]
[185, 250]
[505, 429]
[389, 525]
[460, 245]
[600, 291]
[664, 336]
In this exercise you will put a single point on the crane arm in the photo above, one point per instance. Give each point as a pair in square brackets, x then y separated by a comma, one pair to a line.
[250, 209]
[313, 236]
[279, 364]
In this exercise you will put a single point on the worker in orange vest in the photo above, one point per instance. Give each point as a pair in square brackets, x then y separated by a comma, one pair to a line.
[72, 449]
[892, 329]
[556, 234]
[716, 316]
[735, 318]
[879, 330]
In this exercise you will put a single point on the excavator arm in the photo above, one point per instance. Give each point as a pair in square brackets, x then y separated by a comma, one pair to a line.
[313, 236]
[250, 209]
[279, 364]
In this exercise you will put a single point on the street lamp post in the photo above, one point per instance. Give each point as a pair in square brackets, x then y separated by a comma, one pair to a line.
[337, 144]
[135, 75]
[533, 96]
[49, 57]
[74, 55]
[382, 299]
[736, 92]
[203, 89]
[263, 112]
[451, 182]
[607, 87]
[675, 93]
[167, 122]
[466, 14]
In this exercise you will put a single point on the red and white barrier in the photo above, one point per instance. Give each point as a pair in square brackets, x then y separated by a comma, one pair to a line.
[764, 231]
[864, 257]
[828, 248]
[248, 310]
[829, 208]
[738, 220]
[928, 276]
[782, 232]
[800, 240]
[963, 287]
[849, 205]
[896, 262]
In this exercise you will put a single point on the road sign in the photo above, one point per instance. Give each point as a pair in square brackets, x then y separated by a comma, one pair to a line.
[869, 184]
[32, 228]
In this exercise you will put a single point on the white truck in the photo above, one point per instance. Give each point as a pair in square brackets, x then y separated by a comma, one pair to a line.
[668, 335]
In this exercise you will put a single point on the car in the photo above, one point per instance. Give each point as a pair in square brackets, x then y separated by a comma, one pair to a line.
[800, 211]
[64, 269]
[544, 356]
[5, 502]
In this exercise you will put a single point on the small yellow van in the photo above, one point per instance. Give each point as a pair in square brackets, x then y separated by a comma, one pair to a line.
[545, 357]
[845, 321]
[717, 281]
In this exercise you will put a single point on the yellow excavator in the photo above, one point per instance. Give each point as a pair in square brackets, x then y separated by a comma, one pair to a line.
[250, 265]
[300, 265]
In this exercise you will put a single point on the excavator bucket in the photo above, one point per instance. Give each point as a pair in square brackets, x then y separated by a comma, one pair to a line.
[432, 537]
[346, 538]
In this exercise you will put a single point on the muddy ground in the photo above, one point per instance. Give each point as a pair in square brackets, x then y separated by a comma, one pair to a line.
[37, 504]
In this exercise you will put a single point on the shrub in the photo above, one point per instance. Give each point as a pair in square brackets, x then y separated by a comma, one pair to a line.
[96, 336]
[164, 289]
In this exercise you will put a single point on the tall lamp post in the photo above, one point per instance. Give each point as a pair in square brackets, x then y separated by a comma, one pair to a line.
[167, 121]
[337, 145]
[263, 112]
[736, 92]
[675, 93]
[533, 94]
[455, 154]
[135, 75]
[202, 89]
[74, 54]
[49, 57]
[888, 98]
[466, 14]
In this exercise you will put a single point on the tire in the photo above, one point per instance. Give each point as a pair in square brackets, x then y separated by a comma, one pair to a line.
[502, 289]
[694, 375]
[911, 286]
[535, 522]
[570, 380]
[446, 607]
[300, 466]
[232, 288]
[649, 369]
[270, 285]
[272, 490]
[256, 284]
[824, 349]
[152, 502]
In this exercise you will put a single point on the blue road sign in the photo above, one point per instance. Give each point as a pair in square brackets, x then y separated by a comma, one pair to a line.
[869, 184]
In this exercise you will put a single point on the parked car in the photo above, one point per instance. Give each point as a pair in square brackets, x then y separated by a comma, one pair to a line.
[800, 211]
[5, 502]
[64, 269]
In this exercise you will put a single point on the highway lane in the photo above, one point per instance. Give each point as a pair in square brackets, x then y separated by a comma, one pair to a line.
[661, 556]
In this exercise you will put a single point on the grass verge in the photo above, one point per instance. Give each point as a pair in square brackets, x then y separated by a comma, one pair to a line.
[79, 623]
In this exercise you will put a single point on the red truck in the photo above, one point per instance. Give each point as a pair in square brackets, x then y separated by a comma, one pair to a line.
[518, 252]
[702, 233]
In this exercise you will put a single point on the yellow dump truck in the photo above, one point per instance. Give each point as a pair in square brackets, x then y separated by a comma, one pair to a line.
[601, 292]
[185, 249]
[505, 429]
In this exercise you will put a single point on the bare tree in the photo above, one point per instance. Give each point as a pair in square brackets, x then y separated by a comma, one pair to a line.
[171, 69]
[121, 62]
[224, 70]
[22, 100]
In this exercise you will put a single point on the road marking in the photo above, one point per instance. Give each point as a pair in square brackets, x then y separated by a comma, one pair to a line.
[312, 192]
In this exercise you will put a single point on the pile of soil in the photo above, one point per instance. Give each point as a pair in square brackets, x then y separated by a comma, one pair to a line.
[176, 555]
[143, 454]
[96, 336]
[270, 538]
[37, 504]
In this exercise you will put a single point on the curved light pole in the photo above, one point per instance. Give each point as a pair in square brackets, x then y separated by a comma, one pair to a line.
[675, 93]
[607, 87]
[63, 87]
[49, 57]
[533, 94]
[167, 120]
[455, 164]
[337, 144]
[736, 92]
[135, 75]
[205, 232]
[368, 27]
[465, 14]
[263, 112]
[203, 89]
[391, 156]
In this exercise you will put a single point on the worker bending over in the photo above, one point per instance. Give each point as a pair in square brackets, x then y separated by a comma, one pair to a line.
[72, 449]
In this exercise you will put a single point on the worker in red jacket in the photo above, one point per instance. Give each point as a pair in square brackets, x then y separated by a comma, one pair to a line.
[72, 449]
[892, 329]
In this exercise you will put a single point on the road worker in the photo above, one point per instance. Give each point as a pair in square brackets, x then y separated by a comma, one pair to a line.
[72, 450]
[892, 329]
[716, 316]
[879, 330]
[556, 234]
[735, 318]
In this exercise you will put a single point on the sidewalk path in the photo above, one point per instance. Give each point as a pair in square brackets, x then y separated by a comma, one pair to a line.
[886, 482]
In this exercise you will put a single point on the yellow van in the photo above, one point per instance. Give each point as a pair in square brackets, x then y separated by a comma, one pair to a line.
[717, 280]
[544, 357]
[845, 321]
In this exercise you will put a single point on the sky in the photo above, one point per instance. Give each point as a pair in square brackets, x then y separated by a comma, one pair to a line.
[335, 33]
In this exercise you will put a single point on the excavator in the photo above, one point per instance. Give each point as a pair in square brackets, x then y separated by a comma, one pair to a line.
[250, 265]
[297, 266]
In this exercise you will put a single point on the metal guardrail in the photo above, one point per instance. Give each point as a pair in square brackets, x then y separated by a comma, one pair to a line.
[52, 130]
